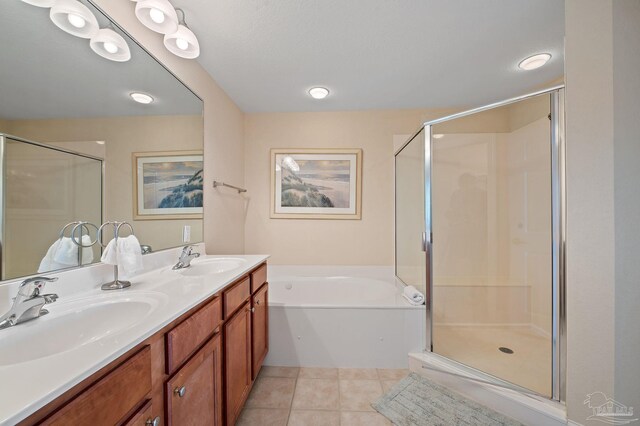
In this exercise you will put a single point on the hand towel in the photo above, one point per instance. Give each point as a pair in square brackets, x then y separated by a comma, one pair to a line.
[129, 254]
[66, 253]
[47, 263]
[413, 295]
[87, 251]
[110, 254]
[63, 253]
[126, 253]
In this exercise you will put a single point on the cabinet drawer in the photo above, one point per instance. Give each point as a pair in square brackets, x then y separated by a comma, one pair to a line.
[236, 296]
[145, 416]
[187, 336]
[258, 277]
[111, 398]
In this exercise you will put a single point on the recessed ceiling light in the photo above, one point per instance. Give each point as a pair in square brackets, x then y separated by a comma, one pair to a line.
[535, 61]
[141, 98]
[319, 92]
[438, 136]
[100, 142]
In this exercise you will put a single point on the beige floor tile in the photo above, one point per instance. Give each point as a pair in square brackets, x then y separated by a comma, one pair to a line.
[289, 372]
[392, 373]
[354, 418]
[263, 417]
[314, 418]
[318, 394]
[357, 395]
[318, 373]
[358, 373]
[271, 392]
[388, 384]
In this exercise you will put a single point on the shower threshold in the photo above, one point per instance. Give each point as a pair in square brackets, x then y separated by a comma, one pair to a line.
[520, 404]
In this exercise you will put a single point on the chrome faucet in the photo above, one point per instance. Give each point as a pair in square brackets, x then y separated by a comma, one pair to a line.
[186, 257]
[28, 303]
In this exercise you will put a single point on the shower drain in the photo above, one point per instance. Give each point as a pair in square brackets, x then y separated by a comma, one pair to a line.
[505, 350]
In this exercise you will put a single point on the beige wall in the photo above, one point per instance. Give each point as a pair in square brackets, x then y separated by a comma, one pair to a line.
[122, 137]
[590, 208]
[223, 134]
[626, 95]
[327, 242]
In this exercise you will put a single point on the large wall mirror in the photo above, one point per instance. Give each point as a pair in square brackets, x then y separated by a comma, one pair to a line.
[76, 147]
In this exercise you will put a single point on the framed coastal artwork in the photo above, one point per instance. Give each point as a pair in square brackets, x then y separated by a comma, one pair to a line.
[167, 185]
[316, 183]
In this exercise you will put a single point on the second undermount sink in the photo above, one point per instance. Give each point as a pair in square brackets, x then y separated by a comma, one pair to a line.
[217, 265]
[75, 323]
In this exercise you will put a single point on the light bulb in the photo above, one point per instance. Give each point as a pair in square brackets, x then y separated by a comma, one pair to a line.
[535, 61]
[156, 15]
[182, 44]
[110, 47]
[141, 98]
[318, 92]
[76, 21]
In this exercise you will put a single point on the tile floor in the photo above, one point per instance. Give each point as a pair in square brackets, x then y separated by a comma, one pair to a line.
[287, 396]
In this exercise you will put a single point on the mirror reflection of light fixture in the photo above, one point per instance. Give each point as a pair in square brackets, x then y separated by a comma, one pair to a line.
[40, 3]
[157, 15]
[110, 45]
[183, 42]
[74, 18]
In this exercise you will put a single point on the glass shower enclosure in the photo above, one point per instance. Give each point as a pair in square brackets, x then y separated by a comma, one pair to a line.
[479, 229]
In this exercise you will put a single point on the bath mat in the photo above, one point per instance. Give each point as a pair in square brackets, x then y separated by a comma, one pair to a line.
[417, 401]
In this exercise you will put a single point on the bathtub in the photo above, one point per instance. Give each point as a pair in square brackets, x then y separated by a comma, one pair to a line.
[340, 316]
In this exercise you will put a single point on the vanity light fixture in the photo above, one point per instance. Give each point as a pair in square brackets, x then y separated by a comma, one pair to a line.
[183, 42]
[40, 3]
[319, 92]
[535, 61]
[74, 18]
[157, 15]
[141, 98]
[110, 45]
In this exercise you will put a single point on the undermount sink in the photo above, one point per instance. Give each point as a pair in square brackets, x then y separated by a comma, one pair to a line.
[75, 323]
[216, 265]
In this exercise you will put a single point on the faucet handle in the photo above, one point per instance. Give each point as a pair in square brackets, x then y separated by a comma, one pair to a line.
[187, 250]
[31, 286]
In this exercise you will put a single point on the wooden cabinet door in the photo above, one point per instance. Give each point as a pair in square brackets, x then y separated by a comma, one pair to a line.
[194, 394]
[237, 345]
[260, 329]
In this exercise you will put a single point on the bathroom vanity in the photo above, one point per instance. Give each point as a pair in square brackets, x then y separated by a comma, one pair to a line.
[191, 360]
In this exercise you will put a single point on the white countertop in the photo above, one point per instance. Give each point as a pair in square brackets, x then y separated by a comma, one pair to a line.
[28, 386]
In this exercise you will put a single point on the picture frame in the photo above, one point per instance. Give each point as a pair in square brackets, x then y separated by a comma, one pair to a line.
[168, 185]
[316, 183]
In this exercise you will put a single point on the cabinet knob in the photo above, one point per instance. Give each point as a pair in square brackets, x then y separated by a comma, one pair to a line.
[216, 331]
[257, 301]
[180, 391]
[252, 309]
[153, 422]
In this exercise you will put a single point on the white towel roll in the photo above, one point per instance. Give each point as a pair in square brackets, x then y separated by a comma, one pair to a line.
[413, 295]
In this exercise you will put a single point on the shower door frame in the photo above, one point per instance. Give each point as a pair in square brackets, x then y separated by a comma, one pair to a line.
[558, 227]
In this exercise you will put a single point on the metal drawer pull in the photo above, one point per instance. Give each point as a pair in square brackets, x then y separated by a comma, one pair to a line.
[154, 422]
[180, 391]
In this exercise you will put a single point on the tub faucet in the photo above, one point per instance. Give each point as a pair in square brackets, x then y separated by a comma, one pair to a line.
[28, 303]
[186, 257]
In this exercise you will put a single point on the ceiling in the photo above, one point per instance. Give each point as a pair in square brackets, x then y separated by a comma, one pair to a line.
[46, 73]
[375, 54]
